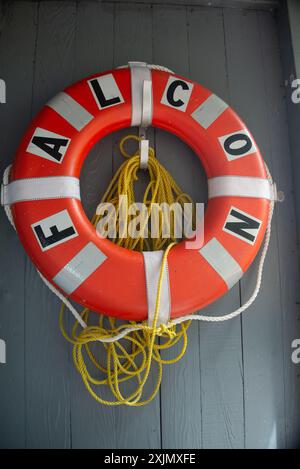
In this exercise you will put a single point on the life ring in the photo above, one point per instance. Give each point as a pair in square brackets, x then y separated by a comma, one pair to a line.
[44, 194]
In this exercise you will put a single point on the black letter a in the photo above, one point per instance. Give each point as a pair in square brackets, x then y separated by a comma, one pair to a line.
[51, 146]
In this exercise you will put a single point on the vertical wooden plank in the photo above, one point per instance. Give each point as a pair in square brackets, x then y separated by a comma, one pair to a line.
[287, 28]
[94, 53]
[262, 323]
[220, 344]
[180, 391]
[293, 10]
[18, 20]
[47, 367]
[136, 427]
[290, 286]
[282, 170]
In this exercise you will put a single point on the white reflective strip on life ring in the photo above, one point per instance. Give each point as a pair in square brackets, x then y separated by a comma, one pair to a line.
[55, 187]
[222, 262]
[70, 110]
[147, 106]
[240, 186]
[78, 269]
[141, 94]
[152, 263]
[209, 111]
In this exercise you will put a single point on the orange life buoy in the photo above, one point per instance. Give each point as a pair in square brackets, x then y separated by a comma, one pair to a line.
[45, 198]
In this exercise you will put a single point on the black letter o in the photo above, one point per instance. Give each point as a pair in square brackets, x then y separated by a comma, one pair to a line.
[237, 151]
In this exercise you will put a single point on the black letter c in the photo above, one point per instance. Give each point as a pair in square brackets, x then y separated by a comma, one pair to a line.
[171, 92]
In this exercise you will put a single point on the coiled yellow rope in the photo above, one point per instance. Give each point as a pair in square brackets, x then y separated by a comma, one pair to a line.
[130, 358]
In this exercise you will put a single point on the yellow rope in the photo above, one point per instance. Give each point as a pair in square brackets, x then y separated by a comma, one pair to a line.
[131, 357]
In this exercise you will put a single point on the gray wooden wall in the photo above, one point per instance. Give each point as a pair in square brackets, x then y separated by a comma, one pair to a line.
[236, 386]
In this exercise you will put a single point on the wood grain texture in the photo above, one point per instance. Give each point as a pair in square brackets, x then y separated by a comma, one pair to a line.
[220, 344]
[294, 19]
[283, 168]
[47, 365]
[262, 344]
[291, 288]
[16, 68]
[288, 25]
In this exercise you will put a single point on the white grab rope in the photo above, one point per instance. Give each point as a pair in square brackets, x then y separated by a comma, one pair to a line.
[191, 317]
[161, 68]
[255, 292]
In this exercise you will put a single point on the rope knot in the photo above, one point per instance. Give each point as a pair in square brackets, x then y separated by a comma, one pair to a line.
[168, 330]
